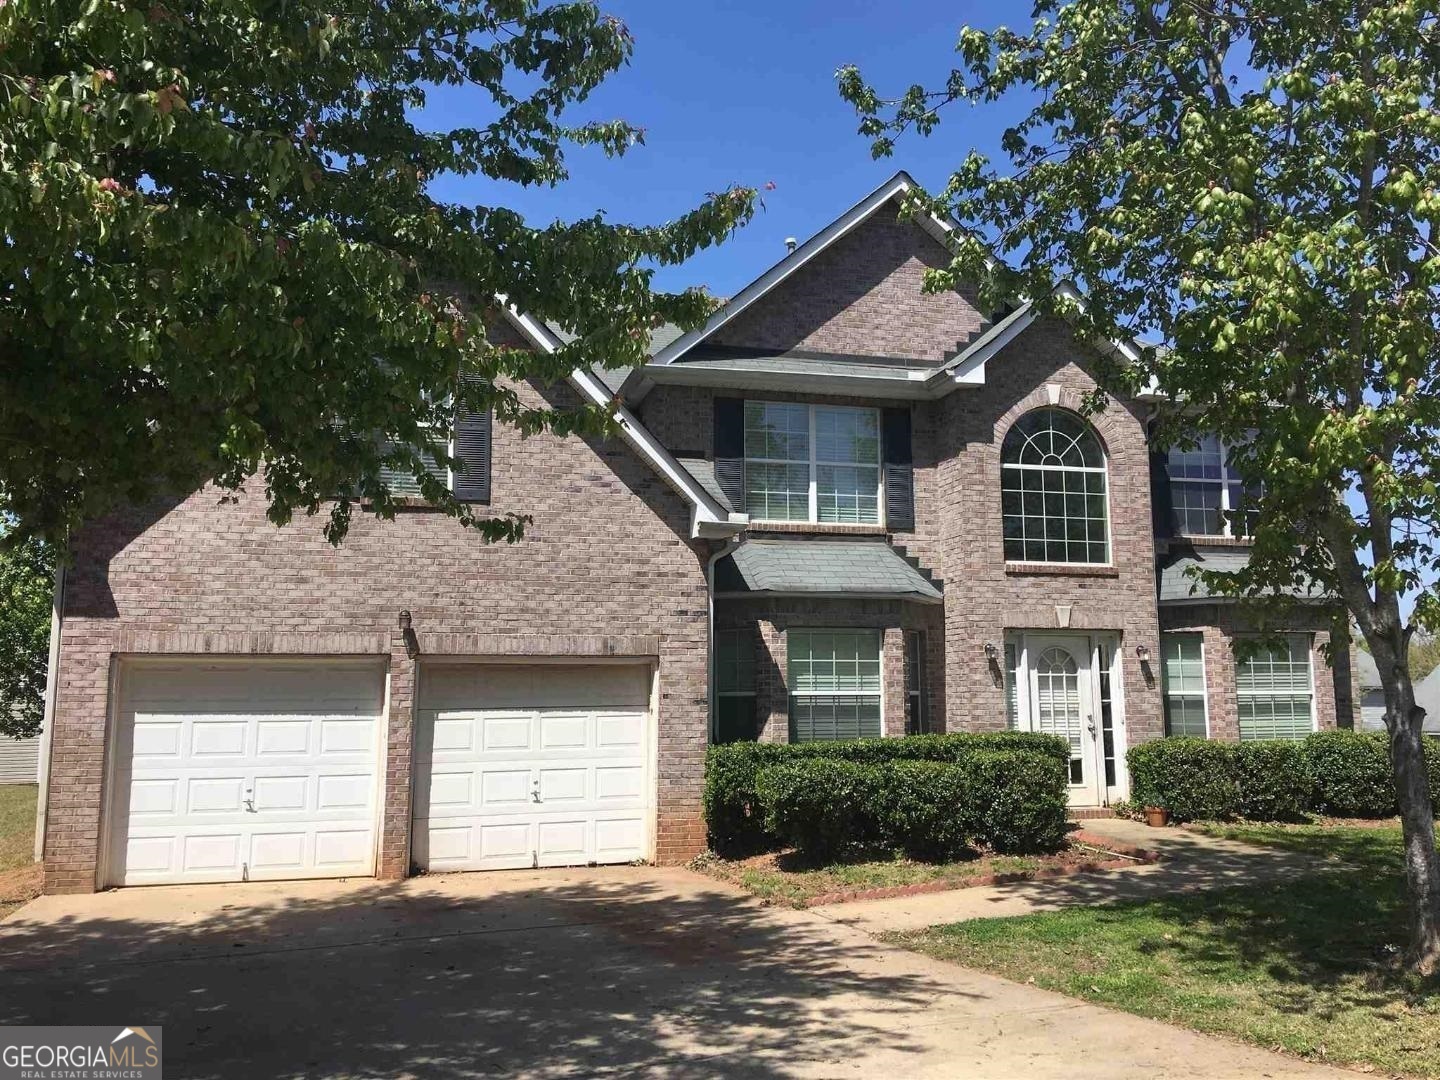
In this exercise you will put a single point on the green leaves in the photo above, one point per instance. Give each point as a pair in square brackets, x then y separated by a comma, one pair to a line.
[223, 255]
[25, 593]
[1256, 186]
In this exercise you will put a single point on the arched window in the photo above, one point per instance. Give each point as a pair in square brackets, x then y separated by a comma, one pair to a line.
[1052, 490]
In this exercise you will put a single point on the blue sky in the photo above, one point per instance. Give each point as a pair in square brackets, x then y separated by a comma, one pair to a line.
[743, 92]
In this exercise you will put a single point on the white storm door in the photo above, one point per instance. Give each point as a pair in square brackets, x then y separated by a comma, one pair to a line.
[1062, 692]
[245, 771]
[532, 765]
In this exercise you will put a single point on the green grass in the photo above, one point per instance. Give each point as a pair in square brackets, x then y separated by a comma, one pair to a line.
[17, 825]
[1307, 966]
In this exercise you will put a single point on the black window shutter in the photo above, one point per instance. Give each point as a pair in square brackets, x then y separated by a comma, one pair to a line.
[729, 447]
[472, 446]
[899, 469]
[1162, 507]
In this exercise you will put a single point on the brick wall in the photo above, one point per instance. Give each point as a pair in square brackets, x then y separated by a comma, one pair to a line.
[772, 618]
[608, 552]
[1220, 624]
[983, 596]
[862, 296]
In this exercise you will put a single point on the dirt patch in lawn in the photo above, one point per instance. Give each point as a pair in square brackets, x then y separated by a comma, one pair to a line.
[19, 886]
[787, 878]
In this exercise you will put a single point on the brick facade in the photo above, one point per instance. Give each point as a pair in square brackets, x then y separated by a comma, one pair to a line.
[607, 568]
[1221, 624]
[862, 296]
[608, 553]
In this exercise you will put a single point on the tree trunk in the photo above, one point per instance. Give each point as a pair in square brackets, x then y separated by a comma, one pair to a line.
[1412, 792]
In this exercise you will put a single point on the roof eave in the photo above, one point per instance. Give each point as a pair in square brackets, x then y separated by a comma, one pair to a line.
[809, 594]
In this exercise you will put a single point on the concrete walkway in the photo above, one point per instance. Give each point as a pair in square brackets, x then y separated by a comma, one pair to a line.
[615, 972]
[1188, 861]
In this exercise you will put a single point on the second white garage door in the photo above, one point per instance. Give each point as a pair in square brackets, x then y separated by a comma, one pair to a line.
[532, 765]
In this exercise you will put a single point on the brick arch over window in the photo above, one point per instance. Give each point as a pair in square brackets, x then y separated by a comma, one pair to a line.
[1054, 488]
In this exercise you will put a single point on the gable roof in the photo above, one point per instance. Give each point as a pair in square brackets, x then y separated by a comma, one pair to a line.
[899, 184]
[707, 516]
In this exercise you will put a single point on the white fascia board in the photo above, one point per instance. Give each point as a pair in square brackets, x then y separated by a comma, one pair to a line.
[756, 594]
[972, 371]
[898, 184]
[707, 517]
[904, 385]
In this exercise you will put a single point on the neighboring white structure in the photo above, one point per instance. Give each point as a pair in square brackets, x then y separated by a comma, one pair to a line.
[19, 760]
[1372, 700]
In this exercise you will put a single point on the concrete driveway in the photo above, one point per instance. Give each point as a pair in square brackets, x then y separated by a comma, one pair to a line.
[621, 971]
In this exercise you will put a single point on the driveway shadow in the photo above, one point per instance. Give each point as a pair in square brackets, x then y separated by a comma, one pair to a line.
[598, 974]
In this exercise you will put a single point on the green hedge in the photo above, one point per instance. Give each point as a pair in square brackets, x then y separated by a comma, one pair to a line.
[1339, 773]
[1005, 800]
[732, 813]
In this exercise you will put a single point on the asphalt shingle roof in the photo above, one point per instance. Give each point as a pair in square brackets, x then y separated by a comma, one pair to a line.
[703, 470]
[1177, 586]
[829, 567]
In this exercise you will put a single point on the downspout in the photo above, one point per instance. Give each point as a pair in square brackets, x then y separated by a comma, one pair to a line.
[730, 546]
[52, 689]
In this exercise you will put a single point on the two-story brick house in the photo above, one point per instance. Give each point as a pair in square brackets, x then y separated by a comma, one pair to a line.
[842, 507]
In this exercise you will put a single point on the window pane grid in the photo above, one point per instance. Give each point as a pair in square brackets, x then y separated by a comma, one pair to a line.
[1205, 493]
[834, 680]
[1274, 691]
[1054, 515]
[792, 450]
[1182, 670]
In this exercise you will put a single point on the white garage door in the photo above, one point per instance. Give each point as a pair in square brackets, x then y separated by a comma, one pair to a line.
[245, 771]
[534, 765]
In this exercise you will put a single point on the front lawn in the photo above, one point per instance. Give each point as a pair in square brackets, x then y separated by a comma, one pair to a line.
[19, 875]
[1308, 966]
[786, 878]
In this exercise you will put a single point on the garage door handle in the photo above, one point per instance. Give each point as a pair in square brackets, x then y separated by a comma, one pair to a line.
[250, 801]
[535, 790]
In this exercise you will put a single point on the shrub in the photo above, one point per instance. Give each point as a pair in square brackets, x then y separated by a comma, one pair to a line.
[731, 808]
[1350, 773]
[1274, 780]
[1011, 801]
[819, 806]
[1192, 778]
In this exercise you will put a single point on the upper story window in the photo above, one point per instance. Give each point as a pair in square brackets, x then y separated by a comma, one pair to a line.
[1205, 491]
[817, 463]
[1053, 490]
[469, 443]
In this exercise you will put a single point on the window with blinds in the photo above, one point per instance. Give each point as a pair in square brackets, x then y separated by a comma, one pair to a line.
[1182, 670]
[834, 678]
[1275, 690]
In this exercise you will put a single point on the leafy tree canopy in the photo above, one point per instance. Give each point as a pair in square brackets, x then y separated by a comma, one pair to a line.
[223, 260]
[25, 592]
[1256, 183]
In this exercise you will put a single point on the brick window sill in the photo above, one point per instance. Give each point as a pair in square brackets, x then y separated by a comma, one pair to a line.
[1061, 570]
[814, 527]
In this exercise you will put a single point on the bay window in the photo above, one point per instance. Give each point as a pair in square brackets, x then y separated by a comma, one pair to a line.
[813, 463]
[834, 680]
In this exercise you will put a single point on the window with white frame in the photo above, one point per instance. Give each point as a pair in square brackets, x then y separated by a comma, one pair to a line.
[735, 719]
[1182, 671]
[1275, 690]
[1205, 491]
[834, 679]
[1053, 490]
[818, 463]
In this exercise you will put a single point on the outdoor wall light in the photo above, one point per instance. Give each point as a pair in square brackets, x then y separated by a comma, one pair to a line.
[1142, 654]
[407, 631]
[991, 652]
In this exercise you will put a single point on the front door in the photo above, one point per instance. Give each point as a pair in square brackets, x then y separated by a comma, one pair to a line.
[1062, 701]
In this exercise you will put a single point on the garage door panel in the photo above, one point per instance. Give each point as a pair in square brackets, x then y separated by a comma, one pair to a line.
[562, 782]
[210, 786]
